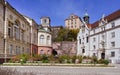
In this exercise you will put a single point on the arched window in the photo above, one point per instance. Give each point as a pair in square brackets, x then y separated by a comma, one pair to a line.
[41, 39]
[48, 40]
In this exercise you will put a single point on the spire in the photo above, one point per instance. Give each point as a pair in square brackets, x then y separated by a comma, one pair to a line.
[86, 17]
[86, 14]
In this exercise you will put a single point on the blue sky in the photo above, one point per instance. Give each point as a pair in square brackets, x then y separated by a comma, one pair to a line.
[59, 10]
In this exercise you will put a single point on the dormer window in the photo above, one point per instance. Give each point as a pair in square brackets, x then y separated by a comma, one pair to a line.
[113, 24]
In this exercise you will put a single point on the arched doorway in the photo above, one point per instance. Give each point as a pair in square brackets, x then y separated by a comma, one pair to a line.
[103, 55]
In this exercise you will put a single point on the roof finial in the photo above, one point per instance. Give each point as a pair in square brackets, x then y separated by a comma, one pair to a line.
[103, 16]
[86, 14]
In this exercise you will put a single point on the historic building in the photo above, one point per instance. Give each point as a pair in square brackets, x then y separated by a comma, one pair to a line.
[22, 35]
[44, 36]
[34, 35]
[100, 39]
[15, 32]
[73, 22]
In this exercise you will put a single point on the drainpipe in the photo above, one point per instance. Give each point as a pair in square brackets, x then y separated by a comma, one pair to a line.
[4, 19]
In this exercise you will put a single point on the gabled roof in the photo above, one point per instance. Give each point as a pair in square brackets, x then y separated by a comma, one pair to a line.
[109, 18]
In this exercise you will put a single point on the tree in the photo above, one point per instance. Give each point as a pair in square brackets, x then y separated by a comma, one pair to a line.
[67, 35]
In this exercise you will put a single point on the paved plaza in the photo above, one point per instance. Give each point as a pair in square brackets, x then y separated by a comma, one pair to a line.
[61, 70]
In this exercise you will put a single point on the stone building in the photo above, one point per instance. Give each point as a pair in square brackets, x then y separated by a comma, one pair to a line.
[44, 37]
[100, 39]
[73, 22]
[22, 35]
[15, 32]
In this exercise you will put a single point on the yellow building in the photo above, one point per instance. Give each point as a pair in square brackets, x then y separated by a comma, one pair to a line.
[73, 22]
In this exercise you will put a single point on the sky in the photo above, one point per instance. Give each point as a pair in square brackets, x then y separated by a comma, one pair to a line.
[59, 10]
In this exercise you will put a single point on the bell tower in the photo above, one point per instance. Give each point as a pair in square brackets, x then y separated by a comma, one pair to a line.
[86, 17]
[45, 22]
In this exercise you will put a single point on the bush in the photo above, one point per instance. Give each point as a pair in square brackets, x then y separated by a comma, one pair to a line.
[64, 59]
[94, 59]
[44, 59]
[73, 59]
[80, 58]
[101, 61]
[106, 62]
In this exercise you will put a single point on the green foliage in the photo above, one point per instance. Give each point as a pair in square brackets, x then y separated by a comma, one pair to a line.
[80, 58]
[103, 61]
[106, 62]
[73, 59]
[67, 35]
[94, 59]
[44, 59]
[64, 58]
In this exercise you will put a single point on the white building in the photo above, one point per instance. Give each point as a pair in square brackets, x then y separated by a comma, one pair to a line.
[101, 38]
[44, 37]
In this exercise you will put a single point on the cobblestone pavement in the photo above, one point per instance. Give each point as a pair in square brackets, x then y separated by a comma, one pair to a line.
[60, 70]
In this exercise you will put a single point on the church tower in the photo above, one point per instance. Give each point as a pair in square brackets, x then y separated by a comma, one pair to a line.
[86, 18]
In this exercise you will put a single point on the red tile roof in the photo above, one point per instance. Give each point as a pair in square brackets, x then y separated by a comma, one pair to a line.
[109, 18]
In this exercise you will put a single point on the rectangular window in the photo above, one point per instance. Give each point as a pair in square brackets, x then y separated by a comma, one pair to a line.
[112, 54]
[10, 49]
[22, 35]
[93, 31]
[112, 24]
[112, 44]
[112, 34]
[87, 39]
[94, 47]
[79, 41]
[10, 29]
[103, 36]
[94, 39]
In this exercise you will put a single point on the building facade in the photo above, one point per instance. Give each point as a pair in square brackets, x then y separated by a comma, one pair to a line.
[1, 30]
[101, 39]
[44, 37]
[15, 32]
[22, 35]
[33, 34]
[73, 22]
